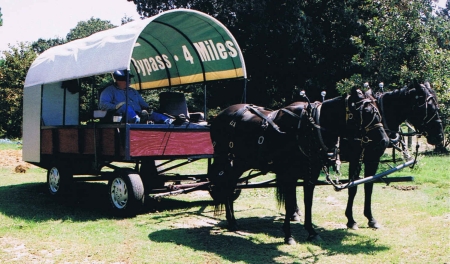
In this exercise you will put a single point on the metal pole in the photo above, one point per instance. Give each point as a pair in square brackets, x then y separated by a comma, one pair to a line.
[204, 99]
[375, 177]
[127, 82]
[245, 91]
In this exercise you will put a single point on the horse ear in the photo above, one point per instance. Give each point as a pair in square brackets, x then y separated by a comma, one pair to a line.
[369, 93]
[357, 93]
[421, 89]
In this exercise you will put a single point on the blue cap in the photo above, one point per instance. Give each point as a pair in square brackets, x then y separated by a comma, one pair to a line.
[121, 75]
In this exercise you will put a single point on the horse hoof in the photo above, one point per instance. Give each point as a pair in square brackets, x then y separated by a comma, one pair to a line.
[374, 224]
[314, 238]
[290, 241]
[352, 226]
[295, 218]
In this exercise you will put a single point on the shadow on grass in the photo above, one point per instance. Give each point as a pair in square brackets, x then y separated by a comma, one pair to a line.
[245, 246]
[86, 201]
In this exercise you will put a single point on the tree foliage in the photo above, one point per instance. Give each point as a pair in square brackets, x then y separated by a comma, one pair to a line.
[315, 45]
[87, 28]
[12, 77]
[328, 45]
[42, 45]
[14, 68]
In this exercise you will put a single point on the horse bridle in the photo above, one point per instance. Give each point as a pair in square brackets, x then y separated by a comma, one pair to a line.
[371, 125]
[421, 129]
[364, 139]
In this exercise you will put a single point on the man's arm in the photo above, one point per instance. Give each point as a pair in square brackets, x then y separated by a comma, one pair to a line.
[142, 103]
[106, 100]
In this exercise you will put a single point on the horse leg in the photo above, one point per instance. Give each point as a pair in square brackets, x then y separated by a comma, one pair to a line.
[290, 204]
[353, 174]
[368, 189]
[296, 215]
[308, 190]
[351, 223]
[229, 210]
[224, 179]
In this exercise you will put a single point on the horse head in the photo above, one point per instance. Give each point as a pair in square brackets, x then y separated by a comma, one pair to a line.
[424, 114]
[364, 123]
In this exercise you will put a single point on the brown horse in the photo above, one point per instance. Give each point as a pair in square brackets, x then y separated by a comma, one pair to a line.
[293, 142]
[416, 104]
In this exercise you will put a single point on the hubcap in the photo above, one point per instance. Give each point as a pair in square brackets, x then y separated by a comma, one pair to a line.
[54, 180]
[119, 193]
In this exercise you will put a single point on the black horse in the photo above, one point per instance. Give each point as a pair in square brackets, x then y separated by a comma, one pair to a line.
[293, 142]
[416, 104]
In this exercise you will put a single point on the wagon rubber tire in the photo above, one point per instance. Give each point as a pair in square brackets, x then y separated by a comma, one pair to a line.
[58, 181]
[126, 193]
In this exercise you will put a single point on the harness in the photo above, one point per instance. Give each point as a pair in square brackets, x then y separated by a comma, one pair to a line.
[263, 156]
[265, 123]
[363, 138]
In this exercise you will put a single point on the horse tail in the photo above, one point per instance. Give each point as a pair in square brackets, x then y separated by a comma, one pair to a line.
[219, 177]
[219, 208]
[280, 193]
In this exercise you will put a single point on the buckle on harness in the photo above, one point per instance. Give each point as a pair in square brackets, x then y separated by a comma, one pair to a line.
[365, 139]
[260, 140]
[233, 123]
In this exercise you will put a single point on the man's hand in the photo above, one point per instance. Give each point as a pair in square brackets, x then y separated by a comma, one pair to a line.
[119, 105]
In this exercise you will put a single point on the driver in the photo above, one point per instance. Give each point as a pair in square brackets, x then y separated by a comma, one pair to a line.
[113, 97]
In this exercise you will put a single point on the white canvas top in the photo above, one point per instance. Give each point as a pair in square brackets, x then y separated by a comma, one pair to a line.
[102, 52]
[213, 52]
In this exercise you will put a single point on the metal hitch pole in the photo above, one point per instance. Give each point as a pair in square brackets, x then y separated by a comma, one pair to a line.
[375, 177]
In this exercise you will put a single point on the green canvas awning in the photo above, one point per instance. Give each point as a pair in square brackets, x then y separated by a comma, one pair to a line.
[173, 48]
[185, 47]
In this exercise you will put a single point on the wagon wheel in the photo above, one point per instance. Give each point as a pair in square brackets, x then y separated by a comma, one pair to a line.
[150, 175]
[58, 181]
[236, 194]
[126, 193]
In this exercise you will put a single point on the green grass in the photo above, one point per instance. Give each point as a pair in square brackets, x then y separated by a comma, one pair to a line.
[34, 228]
[10, 144]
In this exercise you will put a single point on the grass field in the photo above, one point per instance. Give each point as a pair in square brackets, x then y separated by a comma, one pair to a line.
[34, 228]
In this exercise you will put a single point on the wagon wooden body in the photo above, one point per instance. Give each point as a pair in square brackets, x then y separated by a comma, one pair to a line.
[172, 49]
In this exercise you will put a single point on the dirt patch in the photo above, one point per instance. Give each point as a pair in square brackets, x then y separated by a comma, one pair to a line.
[405, 188]
[12, 158]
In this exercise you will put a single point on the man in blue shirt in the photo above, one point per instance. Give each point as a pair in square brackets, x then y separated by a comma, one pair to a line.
[114, 97]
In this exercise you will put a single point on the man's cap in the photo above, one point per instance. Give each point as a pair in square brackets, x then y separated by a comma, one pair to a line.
[121, 75]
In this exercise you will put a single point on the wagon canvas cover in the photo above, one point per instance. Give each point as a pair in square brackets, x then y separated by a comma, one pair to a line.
[173, 48]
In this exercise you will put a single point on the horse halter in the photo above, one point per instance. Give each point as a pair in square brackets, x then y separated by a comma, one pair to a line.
[373, 124]
[421, 129]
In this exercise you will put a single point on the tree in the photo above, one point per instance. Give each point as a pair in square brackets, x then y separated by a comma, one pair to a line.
[406, 40]
[88, 85]
[42, 45]
[1, 19]
[328, 45]
[14, 68]
[86, 28]
[12, 78]
[304, 44]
